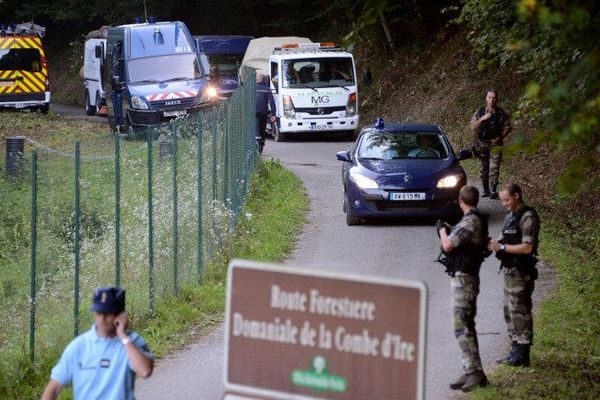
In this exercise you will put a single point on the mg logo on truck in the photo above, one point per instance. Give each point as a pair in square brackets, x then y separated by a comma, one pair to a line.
[319, 99]
[172, 102]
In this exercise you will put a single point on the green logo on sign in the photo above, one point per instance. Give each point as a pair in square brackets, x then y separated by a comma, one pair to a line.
[317, 377]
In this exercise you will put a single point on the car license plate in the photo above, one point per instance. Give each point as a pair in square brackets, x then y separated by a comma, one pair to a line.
[174, 113]
[320, 127]
[6, 83]
[403, 196]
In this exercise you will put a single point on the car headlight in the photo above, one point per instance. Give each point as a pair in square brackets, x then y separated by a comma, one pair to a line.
[363, 182]
[139, 103]
[449, 181]
[209, 94]
[351, 106]
[288, 107]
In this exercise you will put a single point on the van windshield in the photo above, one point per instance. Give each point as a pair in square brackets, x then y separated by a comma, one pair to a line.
[163, 68]
[159, 39]
[20, 59]
[225, 64]
[318, 72]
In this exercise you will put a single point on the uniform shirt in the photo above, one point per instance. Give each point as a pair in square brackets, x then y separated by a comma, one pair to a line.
[98, 367]
[468, 230]
[498, 123]
[529, 225]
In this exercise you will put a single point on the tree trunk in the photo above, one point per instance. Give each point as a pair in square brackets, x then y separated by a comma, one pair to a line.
[388, 35]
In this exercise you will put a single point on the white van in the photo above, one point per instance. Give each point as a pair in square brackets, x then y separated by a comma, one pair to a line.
[314, 85]
[93, 70]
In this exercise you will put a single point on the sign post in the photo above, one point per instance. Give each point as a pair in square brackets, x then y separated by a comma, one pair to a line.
[307, 334]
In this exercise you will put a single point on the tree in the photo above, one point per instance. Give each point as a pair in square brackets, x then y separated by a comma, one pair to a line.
[557, 43]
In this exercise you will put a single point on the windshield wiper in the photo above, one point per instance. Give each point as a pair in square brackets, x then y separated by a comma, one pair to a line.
[330, 85]
[178, 78]
[146, 81]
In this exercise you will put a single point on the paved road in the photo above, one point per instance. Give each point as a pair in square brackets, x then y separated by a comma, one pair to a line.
[403, 251]
[75, 112]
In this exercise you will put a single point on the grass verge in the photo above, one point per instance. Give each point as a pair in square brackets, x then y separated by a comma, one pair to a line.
[274, 213]
[566, 354]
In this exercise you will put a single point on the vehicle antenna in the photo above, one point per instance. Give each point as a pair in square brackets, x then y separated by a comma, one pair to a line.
[145, 12]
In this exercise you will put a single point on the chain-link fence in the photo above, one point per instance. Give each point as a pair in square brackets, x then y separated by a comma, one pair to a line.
[147, 214]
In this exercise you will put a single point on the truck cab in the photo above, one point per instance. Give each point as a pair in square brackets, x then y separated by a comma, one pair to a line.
[153, 75]
[221, 57]
[315, 89]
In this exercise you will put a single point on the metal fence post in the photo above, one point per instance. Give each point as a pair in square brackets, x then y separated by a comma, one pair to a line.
[77, 238]
[32, 295]
[117, 210]
[199, 202]
[150, 227]
[175, 222]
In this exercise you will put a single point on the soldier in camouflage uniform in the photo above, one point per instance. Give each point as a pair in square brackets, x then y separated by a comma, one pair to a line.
[492, 125]
[462, 246]
[517, 250]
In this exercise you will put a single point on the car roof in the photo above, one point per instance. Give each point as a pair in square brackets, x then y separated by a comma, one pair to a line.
[405, 127]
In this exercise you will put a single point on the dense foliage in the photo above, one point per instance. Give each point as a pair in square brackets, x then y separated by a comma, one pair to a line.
[556, 43]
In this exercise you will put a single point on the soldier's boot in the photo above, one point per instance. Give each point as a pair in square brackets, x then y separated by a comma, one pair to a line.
[486, 190]
[494, 194]
[503, 360]
[474, 380]
[520, 357]
[458, 384]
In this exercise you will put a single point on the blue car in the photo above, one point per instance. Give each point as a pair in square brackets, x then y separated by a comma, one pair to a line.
[401, 170]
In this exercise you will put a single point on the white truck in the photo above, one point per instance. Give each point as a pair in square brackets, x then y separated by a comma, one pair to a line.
[314, 85]
[93, 71]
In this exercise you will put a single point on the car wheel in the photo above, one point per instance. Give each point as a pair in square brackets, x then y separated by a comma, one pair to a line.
[98, 105]
[349, 135]
[278, 136]
[350, 218]
[89, 109]
[45, 108]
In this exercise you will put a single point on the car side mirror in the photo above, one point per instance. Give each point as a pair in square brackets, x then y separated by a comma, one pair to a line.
[343, 156]
[464, 154]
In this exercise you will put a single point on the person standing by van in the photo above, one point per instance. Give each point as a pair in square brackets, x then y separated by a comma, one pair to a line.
[264, 103]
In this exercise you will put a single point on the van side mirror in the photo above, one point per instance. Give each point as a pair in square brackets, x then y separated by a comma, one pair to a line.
[98, 51]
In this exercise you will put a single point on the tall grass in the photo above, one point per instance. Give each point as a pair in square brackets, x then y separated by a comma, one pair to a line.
[261, 234]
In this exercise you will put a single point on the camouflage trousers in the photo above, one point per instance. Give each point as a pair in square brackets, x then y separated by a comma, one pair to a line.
[490, 156]
[518, 289]
[465, 289]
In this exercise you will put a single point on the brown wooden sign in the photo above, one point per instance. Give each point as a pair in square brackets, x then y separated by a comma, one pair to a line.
[306, 334]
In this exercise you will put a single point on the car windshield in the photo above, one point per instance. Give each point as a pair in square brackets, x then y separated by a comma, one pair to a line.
[164, 68]
[398, 145]
[318, 72]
